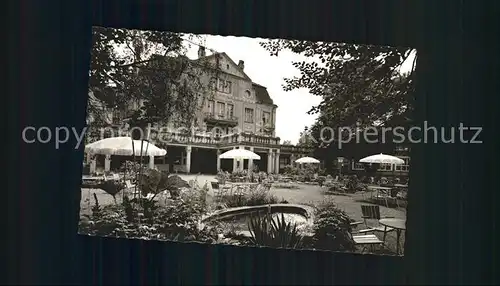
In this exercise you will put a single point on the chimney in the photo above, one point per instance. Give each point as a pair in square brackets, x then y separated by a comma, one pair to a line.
[201, 52]
[241, 64]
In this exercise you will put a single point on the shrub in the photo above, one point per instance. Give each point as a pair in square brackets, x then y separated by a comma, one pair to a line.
[321, 180]
[277, 233]
[286, 186]
[290, 170]
[152, 181]
[252, 196]
[332, 228]
[111, 187]
[262, 176]
[353, 184]
[143, 218]
[322, 172]
[222, 176]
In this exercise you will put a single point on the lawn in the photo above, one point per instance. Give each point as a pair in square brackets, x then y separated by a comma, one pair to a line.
[304, 194]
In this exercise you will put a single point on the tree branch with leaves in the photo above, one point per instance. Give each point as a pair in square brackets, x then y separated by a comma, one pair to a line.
[361, 86]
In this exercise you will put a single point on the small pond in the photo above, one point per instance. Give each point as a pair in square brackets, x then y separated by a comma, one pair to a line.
[240, 223]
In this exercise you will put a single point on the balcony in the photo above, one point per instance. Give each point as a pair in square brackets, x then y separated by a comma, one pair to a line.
[268, 128]
[249, 139]
[209, 140]
[221, 119]
[179, 138]
[295, 149]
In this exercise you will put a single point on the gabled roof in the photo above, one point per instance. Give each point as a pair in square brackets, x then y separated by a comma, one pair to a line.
[260, 91]
[222, 54]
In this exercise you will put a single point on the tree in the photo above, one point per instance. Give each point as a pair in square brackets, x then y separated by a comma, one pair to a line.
[361, 86]
[150, 68]
[306, 138]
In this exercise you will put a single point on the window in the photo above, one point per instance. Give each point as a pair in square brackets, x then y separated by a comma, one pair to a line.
[266, 117]
[213, 83]
[249, 115]
[221, 109]
[227, 87]
[230, 110]
[221, 85]
[248, 94]
[385, 167]
[211, 106]
[357, 166]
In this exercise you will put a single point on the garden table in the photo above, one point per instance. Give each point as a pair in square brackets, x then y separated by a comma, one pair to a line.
[398, 224]
[378, 189]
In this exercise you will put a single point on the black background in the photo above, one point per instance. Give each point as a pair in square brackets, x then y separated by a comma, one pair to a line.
[451, 217]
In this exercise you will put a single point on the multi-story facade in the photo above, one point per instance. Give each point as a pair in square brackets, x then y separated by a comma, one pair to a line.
[237, 113]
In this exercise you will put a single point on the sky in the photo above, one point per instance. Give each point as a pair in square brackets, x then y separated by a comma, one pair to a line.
[270, 71]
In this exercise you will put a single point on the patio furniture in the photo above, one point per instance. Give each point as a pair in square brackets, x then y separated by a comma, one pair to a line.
[401, 186]
[372, 212]
[394, 196]
[394, 223]
[383, 194]
[368, 240]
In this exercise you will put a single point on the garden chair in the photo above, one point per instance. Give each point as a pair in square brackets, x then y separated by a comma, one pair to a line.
[394, 196]
[372, 212]
[366, 241]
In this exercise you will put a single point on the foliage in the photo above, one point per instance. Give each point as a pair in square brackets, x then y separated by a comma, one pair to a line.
[131, 167]
[250, 196]
[290, 186]
[276, 233]
[111, 187]
[360, 86]
[290, 170]
[222, 176]
[178, 220]
[332, 228]
[353, 184]
[152, 181]
[239, 173]
[321, 180]
[306, 138]
[306, 173]
[147, 67]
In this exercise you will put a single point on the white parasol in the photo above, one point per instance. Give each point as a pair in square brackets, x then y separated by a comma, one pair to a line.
[382, 159]
[124, 146]
[307, 160]
[239, 154]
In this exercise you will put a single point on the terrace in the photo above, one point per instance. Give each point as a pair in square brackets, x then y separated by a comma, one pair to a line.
[232, 140]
